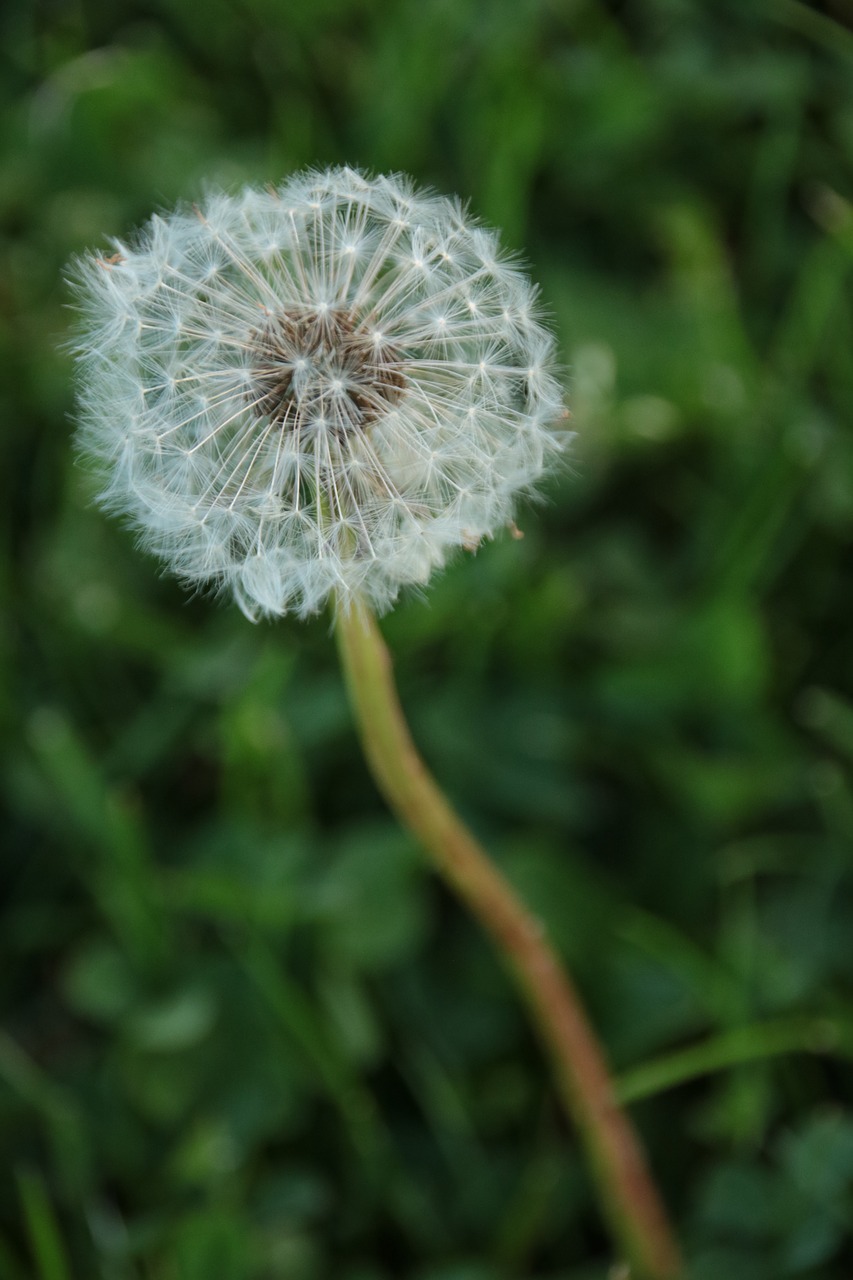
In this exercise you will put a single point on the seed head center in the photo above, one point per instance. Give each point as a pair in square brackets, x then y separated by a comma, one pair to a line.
[319, 366]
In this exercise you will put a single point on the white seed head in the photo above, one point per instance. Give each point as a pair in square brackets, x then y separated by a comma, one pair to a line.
[322, 388]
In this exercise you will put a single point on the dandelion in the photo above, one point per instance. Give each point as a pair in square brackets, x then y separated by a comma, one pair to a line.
[318, 392]
[319, 389]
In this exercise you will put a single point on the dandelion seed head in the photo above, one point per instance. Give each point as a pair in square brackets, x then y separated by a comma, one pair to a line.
[315, 389]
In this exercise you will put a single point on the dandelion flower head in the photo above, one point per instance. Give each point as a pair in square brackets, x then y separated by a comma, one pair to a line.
[317, 389]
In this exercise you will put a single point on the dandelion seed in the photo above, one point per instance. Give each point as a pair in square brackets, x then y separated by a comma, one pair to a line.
[323, 388]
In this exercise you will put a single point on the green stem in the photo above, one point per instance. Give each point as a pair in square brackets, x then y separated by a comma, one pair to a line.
[734, 1048]
[634, 1209]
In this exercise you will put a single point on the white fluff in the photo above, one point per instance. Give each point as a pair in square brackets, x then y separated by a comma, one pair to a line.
[318, 389]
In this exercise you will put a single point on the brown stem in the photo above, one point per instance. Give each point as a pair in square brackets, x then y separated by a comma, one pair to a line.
[633, 1207]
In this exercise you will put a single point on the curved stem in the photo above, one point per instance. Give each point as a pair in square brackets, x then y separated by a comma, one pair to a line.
[634, 1209]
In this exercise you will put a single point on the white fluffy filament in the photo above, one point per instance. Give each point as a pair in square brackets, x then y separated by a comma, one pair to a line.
[320, 388]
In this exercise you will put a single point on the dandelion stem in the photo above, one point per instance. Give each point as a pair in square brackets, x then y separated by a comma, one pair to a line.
[633, 1207]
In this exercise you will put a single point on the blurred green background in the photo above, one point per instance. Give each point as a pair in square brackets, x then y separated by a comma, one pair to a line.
[245, 1035]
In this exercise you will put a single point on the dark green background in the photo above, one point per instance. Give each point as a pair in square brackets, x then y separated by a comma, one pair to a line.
[246, 1036]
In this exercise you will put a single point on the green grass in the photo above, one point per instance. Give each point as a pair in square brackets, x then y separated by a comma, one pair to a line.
[245, 1035]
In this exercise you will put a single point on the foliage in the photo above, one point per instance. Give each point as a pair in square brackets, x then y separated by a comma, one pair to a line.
[245, 1036]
